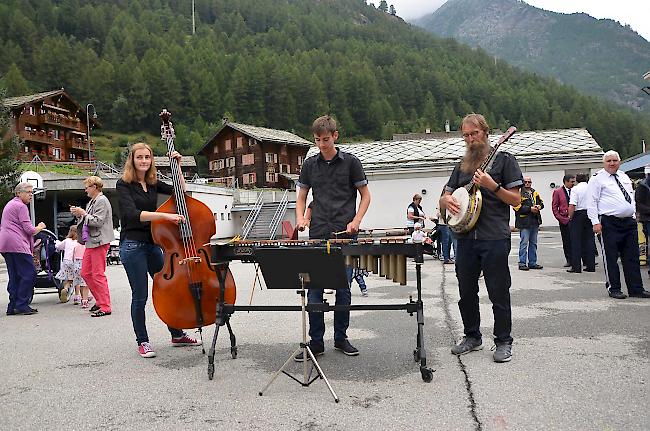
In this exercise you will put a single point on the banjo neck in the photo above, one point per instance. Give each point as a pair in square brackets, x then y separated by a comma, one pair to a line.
[493, 151]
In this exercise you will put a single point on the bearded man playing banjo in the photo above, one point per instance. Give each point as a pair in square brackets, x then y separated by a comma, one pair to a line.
[485, 246]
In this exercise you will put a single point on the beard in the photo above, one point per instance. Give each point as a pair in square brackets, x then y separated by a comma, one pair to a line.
[475, 155]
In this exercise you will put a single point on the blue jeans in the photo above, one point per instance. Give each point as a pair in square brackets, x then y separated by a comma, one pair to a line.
[447, 239]
[138, 259]
[357, 274]
[341, 318]
[528, 245]
[22, 277]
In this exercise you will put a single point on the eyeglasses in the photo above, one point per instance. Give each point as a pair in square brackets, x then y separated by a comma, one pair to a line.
[528, 182]
[473, 134]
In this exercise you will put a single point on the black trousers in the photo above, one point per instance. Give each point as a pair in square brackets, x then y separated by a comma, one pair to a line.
[565, 231]
[621, 238]
[582, 242]
[490, 256]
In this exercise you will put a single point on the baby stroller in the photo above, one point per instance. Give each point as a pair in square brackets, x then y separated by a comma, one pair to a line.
[435, 247]
[113, 254]
[47, 261]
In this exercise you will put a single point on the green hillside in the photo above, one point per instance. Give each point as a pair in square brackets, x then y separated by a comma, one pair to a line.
[279, 63]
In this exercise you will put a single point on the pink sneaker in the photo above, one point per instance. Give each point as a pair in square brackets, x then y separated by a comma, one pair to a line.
[84, 303]
[146, 350]
[76, 300]
[185, 341]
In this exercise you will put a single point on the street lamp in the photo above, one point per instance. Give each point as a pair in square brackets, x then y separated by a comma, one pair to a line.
[88, 127]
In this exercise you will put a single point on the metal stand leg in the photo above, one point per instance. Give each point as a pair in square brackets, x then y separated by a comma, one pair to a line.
[306, 352]
[420, 353]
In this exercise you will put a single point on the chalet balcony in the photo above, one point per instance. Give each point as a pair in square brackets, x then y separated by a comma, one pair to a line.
[40, 137]
[60, 120]
[81, 144]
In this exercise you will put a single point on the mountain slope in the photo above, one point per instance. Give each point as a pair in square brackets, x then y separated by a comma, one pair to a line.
[280, 64]
[598, 57]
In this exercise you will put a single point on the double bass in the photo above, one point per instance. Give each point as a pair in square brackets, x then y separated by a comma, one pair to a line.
[187, 289]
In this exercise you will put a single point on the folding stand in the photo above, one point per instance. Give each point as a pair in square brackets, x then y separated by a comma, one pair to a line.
[314, 268]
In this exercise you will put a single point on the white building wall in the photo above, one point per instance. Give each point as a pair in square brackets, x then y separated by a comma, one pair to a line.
[220, 202]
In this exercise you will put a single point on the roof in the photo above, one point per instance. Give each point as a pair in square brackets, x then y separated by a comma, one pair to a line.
[185, 161]
[18, 101]
[15, 102]
[635, 162]
[263, 134]
[534, 146]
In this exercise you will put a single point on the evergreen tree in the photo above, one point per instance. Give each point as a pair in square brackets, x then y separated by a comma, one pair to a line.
[9, 166]
[14, 82]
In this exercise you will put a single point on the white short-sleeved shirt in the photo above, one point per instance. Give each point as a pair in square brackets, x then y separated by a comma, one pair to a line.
[579, 196]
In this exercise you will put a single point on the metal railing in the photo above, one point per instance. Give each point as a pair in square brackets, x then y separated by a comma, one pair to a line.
[105, 168]
[252, 216]
[279, 214]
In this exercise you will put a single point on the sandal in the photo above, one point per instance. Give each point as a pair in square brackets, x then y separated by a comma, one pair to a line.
[101, 313]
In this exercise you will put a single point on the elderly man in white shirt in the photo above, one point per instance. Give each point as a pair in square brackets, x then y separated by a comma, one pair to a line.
[582, 235]
[611, 210]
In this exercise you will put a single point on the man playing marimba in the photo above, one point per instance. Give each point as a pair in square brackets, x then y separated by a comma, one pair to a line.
[334, 178]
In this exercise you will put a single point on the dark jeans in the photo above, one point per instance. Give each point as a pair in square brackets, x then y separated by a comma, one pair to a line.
[583, 246]
[22, 277]
[341, 318]
[490, 256]
[621, 238]
[447, 239]
[565, 231]
[138, 259]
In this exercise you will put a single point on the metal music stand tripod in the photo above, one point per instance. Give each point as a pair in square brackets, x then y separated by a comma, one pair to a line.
[302, 268]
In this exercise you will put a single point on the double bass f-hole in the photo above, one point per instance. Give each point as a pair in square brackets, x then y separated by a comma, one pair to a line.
[170, 274]
[206, 259]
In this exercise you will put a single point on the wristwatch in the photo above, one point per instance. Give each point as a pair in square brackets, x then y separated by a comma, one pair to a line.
[497, 189]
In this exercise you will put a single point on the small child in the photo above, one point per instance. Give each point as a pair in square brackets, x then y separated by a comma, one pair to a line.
[78, 281]
[418, 234]
[66, 272]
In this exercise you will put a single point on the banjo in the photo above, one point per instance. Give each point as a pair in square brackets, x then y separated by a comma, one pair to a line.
[469, 196]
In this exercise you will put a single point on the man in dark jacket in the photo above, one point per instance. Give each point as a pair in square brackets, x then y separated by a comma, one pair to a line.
[642, 198]
[527, 220]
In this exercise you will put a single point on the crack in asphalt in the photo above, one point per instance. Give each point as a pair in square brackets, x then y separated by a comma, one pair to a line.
[450, 327]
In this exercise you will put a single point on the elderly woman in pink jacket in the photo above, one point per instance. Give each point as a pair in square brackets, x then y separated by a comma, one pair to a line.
[17, 245]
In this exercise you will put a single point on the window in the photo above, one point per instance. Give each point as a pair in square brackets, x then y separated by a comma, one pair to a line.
[215, 150]
[228, 216]
[249, 178]
[248, 159]
[57, 153]
[301, 159]
[219, 163]
[230, 162]
[31, 110]
[228, 144]
[223, 216]
[56, 134]
[285, 168]
[271, 177]
[271, 158]
[26, 149]
[240, 142]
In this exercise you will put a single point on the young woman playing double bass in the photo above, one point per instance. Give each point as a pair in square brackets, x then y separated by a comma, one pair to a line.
[138, 191]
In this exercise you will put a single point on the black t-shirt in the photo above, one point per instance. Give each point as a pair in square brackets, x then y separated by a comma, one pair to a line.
[133, 200]
[334, 185]
[494, 220]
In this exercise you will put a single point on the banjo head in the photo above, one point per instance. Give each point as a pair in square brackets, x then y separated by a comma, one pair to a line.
[462, 197]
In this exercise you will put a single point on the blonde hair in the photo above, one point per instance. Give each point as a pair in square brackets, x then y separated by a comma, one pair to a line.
[477, 120]
[72, 233]
[129, 175]
[94, 181]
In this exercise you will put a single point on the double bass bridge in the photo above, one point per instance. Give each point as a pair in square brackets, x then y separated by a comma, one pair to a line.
[191, 259]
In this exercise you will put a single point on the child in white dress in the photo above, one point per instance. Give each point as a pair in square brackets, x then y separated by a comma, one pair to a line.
[66, 271]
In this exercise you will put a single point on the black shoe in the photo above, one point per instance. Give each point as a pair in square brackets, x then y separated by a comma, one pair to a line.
[345, 347]
[536, 266]
[573, 270]
[641, 294]
[589, 270]
[466, 345]
[523, 267]
[34, 310]
[25, 312]
[11, 312]
[617, 295]
[316, 348]
[567, 265]
[94, 308]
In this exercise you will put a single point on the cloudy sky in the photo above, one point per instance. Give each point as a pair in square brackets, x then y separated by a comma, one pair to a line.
[636, 13]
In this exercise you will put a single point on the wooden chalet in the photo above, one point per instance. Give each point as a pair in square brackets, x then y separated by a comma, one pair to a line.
[188, 166]
[249, 156]
[50, 125]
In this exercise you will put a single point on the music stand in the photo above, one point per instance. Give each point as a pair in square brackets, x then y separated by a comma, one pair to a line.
[303, 268]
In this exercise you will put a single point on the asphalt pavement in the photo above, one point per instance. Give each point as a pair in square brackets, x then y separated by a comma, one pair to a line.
[580, 361]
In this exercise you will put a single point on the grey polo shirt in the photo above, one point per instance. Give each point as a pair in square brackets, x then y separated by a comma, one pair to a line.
[334, 185]
[494, 220]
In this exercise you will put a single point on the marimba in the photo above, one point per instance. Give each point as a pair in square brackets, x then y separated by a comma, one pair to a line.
[386, 256]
